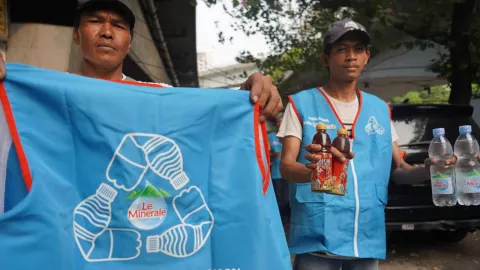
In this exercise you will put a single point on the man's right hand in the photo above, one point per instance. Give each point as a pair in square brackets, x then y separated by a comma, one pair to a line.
[313, 149]
[3, 70]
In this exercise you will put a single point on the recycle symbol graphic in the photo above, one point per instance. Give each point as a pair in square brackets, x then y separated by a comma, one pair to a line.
[136, 154]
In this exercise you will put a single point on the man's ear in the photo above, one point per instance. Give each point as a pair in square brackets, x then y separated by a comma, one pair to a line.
[76, 36]
[368, 57]
[324, 58]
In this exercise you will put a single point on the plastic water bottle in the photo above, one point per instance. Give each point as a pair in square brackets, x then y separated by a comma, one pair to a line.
[467, 169]
[443, 177]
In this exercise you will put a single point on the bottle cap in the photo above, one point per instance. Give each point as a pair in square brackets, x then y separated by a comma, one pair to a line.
[465, 129]
[342, 131]
[107, 192]
[321, 126]
[438, 131]
[179, 181]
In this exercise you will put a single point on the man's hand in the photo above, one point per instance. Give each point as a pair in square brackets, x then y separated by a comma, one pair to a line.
[263, 91]
[3, 71]
[451, 161]
[314, 158]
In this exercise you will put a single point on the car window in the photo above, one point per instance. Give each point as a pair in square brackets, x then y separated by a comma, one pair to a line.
[418, 129]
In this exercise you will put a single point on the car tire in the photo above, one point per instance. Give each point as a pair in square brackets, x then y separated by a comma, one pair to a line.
[451, 236]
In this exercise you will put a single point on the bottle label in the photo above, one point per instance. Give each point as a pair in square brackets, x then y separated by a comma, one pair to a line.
[322, 175]
[339, 178]
[441, 184]
[471, 182]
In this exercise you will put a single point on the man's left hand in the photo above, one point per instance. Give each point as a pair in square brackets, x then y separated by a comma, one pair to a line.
[263, 91]
[451, 161]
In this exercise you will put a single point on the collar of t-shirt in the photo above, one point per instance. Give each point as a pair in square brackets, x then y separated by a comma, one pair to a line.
[350, 103]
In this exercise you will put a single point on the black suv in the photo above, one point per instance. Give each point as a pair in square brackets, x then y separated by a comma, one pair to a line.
[410, 207]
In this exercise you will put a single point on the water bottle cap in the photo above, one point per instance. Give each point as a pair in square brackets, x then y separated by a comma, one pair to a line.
[438, 131]
[465, 129]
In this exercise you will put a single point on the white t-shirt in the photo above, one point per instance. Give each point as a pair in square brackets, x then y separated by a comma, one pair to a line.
[347, 111]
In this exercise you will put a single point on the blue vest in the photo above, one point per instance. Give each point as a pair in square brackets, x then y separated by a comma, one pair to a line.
[104, 175]
[276, 147]
[352, 225]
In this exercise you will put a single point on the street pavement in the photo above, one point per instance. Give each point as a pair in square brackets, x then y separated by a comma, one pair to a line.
[421, 251]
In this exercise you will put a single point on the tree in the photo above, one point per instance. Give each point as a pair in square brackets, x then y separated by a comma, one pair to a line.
[435, 95]
[451, 23]
[293, 30]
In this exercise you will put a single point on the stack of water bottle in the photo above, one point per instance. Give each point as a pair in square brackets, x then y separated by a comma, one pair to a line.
[460, 182]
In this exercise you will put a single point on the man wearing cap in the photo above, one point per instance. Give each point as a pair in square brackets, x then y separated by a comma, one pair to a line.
[104, 30]
[342, 232]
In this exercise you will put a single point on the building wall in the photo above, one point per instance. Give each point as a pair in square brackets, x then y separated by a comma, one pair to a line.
[52, 47]
[144, 52]
[41, 45]
[226, 77]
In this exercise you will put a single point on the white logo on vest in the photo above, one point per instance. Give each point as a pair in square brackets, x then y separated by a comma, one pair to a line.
[373, 127]
[137, 154]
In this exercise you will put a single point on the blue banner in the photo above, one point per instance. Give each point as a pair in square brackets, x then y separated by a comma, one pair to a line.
[109, 175]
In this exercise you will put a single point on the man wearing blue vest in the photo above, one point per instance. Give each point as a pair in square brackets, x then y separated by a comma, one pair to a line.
[104, 30]
[342, 232]
[280, 186]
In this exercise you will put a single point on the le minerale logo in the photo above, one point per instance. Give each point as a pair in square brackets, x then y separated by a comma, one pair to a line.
[149, 209]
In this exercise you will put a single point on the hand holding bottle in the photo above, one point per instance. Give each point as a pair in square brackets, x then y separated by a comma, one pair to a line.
[313, 149]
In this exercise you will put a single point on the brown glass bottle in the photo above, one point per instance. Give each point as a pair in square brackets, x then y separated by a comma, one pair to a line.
[322, 174]
[339, 168]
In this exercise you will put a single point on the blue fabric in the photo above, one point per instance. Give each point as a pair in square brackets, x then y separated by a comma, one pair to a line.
[352, 225]
[14, 188]
[136, 177]
[276, 147]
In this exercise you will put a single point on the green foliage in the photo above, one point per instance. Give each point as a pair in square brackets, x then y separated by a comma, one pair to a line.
[148, 191]
[437, 95]
[293, 29]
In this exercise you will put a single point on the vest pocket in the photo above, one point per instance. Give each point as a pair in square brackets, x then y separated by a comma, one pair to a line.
[304, 194]
[382, 193]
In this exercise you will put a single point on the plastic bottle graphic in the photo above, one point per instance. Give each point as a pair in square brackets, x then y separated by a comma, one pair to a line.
[187, 238]
[165, 159]
[322, 175]
[93, 214]
[467, 169]
[92, 217]
[138, 152]
[95, 240]
[442, 177]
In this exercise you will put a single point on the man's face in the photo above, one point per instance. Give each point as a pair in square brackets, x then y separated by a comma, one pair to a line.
[104, 37]
[347, 58]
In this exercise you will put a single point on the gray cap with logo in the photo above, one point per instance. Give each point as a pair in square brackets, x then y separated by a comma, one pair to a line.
[339, 28]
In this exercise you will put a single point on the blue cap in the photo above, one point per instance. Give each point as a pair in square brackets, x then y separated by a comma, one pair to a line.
[465, 129]
[438, 131]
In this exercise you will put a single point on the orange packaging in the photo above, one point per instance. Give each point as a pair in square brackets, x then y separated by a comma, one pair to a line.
[340, 169]
[322, 174]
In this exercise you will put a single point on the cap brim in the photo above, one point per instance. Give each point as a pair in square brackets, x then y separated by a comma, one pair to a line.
[114, 5]
[366, 37]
